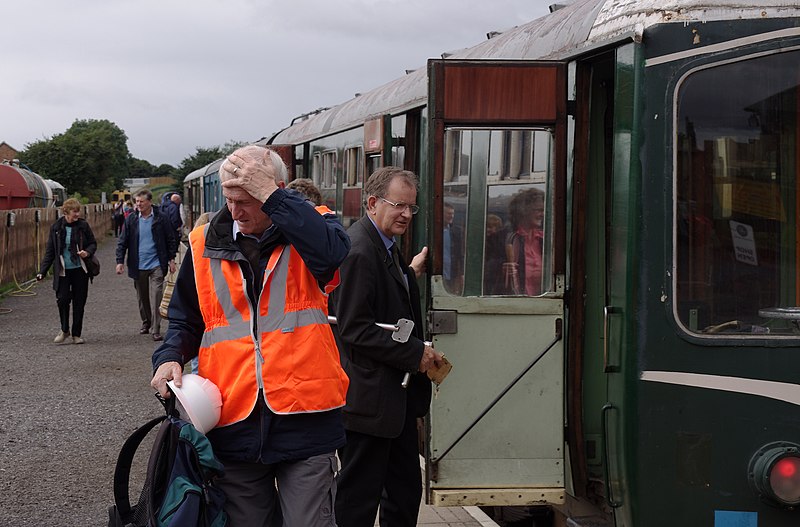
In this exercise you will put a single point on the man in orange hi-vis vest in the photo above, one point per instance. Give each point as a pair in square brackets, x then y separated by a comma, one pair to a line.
[251, 302]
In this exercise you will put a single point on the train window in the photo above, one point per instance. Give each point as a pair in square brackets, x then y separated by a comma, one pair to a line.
[398, 141]
[353, 167]
[328, 170]
[353, 183]
[512, 168]
[737, 255]
[316, 169]
[323, 174]
[373, 163]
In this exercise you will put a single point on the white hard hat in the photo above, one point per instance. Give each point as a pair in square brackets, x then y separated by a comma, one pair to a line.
[201, 400]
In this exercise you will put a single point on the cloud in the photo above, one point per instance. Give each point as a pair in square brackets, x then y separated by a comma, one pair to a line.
[175, 75]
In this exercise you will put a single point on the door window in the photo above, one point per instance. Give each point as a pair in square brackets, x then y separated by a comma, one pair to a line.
[497, 200]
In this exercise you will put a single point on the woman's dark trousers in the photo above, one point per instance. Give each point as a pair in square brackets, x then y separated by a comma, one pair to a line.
[73, 287]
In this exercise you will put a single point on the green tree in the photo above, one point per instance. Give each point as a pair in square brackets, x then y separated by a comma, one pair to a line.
[139, 168]
[90, 157]
[166, 170]
[201, 158]
[204, 156]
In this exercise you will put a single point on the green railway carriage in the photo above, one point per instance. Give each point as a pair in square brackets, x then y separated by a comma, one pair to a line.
[644, 371]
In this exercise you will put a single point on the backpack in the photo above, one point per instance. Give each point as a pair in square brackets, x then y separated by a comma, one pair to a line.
[179, 486]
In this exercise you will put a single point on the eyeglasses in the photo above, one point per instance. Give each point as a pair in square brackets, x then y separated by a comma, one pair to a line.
[400, 207]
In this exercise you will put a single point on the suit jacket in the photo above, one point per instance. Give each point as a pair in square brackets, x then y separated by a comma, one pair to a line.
[370, 292]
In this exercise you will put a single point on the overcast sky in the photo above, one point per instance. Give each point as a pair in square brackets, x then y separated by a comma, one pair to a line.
[176, 75]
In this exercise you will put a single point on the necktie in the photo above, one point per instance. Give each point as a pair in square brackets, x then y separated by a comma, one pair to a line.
[396, 259]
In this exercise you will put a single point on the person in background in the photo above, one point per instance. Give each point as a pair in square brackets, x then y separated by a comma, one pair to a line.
[452, 252]
[171, 209]
[149, 241]
[307, 188]
[119, 217]
[524, 247]
[380, 462]
[176, 199]
[70, 241]
[251, 303]
[494, 256]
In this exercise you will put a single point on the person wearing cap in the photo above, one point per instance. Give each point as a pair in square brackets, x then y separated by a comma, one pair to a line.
[250, 302]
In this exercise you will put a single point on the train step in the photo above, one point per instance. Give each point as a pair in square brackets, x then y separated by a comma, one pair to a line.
[588, 521]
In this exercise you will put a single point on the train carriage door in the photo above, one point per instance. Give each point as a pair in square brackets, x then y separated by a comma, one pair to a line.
[498, 136]
[287, 155]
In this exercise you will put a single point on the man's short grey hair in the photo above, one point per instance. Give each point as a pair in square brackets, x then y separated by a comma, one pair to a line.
[261, 155]
[378, 182]
[144, 193]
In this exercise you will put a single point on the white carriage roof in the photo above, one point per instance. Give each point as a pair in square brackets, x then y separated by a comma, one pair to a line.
[561, 35]
[206, 170]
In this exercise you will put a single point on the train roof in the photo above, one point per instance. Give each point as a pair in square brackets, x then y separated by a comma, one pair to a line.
[564, 34]
[206, 170]
[54, 184]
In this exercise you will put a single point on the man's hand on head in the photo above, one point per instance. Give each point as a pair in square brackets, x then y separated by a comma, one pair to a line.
[252, 176]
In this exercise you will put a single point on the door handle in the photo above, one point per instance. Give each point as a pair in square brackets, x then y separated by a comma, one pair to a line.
[606, 468]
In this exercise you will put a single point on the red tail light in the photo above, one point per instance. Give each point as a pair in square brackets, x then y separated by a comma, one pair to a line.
[774, 473]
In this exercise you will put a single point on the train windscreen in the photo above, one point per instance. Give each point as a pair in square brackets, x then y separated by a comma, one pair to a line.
[737, 250]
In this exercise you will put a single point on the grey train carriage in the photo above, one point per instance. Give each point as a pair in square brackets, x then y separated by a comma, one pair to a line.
[645, 371]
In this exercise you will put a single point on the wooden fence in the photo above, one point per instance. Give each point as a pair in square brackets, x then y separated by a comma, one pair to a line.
[22, 245]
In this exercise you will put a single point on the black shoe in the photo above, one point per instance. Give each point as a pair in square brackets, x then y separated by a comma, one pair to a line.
[157, 337]
[144, 330]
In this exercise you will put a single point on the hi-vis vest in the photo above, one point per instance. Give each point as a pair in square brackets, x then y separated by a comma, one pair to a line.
[293, 358]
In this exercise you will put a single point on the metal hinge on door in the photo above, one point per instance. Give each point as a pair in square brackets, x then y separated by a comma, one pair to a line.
[442, 322]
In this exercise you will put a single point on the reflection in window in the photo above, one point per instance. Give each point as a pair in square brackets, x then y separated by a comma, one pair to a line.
[514, 166]
[453, 238]
[737, 252]
[514, 248]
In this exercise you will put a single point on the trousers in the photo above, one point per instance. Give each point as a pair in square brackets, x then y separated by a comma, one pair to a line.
[73, 288]
[302, 491]
[149, 290]
[380, 471]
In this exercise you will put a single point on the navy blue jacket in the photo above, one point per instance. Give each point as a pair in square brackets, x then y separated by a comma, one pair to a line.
[163, 236]
[171, 210]
[323, 244]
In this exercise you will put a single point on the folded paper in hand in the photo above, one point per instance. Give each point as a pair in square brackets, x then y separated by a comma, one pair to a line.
[438, 373]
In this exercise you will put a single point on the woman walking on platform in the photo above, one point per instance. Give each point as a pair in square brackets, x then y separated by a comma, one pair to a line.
[70, 241]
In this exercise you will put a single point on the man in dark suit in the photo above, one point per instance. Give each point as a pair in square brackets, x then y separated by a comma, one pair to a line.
[380, 462]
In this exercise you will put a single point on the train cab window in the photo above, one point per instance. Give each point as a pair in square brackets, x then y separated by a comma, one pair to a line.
[505, 177]
[323, 170]
[398, 141]
[737, 254]
[352, 184]
[316, 168]
[373, 163]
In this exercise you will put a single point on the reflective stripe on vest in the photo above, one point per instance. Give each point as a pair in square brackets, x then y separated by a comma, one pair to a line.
[294, 358]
